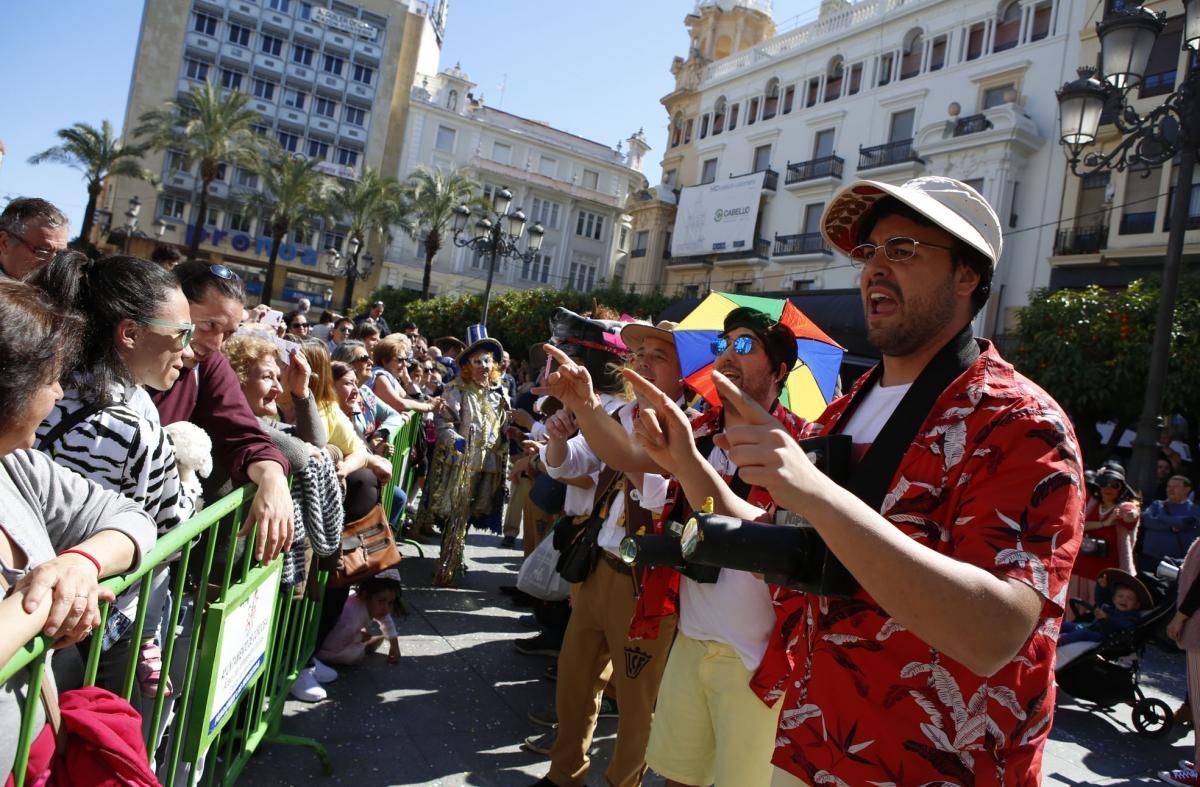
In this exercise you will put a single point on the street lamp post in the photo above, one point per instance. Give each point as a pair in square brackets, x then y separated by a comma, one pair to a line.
[496, 234]
[131, 220]
[1169, 131]
[350, 267]
[160, 229]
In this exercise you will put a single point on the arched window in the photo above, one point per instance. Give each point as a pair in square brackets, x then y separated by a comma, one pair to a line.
[834, 73]
[719, 116]
[1008, 26]
[452, 100]
[771, 99]
[912, 53]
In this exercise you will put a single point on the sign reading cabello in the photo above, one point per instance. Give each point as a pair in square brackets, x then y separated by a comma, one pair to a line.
[260, 246]
[717, 217]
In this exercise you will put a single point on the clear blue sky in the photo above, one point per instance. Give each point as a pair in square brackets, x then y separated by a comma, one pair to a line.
[594, 69]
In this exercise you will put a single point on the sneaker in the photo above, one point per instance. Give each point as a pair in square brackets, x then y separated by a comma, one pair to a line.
[1184, 777]
[541, 645]
[323, 672]
[547, 717]
[540, 744]
[306, 688]
[551, 673]
[608, 708]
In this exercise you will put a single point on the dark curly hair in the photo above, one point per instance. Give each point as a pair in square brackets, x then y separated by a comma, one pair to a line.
[104, 292]
[38, 343]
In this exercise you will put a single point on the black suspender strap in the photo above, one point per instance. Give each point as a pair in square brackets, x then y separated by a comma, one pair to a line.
[871, 477]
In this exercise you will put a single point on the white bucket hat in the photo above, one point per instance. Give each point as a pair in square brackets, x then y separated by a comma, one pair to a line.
[951, 204]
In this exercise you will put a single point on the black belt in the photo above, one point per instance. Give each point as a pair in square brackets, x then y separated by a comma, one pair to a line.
[615, 563]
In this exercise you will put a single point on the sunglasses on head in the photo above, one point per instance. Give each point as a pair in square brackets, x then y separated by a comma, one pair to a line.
[222, 272]
[742, 345]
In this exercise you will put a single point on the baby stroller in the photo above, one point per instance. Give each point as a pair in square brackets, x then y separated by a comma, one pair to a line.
[1105, 674]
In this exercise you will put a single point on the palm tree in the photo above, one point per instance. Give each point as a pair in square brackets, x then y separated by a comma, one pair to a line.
[370, 206]
[295, 195]
[432, 196]
[98, 155]
[207, 126]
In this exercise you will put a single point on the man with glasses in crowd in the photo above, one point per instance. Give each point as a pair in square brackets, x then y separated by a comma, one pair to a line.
[961, 529]
[375, 317]
[340, 332]
[32, 231]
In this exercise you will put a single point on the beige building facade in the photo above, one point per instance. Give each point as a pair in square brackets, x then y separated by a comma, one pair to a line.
[331, 80]
[879, 89]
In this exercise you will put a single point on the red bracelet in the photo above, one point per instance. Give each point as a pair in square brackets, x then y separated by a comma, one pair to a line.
[81, 553]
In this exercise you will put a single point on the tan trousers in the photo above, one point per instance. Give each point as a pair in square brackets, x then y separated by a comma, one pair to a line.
[535, 524]
[518, 493]
[602, 607]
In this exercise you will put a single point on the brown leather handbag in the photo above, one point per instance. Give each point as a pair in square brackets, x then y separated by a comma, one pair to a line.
[368, 547]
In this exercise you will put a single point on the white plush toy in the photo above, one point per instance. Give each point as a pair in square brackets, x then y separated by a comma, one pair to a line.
[193, 456]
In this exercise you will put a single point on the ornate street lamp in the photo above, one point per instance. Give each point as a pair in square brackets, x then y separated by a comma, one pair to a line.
[160, 229]
[1169, 131]
[349, 267]
[497, 235]
[131, 220]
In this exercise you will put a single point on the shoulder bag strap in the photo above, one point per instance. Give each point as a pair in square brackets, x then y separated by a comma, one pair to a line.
[73, 420]
[871, 477]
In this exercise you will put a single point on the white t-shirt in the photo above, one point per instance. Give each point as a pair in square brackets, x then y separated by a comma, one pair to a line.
[736, 609]
[871, 414]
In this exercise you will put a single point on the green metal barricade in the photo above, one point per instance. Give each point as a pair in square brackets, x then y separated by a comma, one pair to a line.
[403, 470]
[240, 639]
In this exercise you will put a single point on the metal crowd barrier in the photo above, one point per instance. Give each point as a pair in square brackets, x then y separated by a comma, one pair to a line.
[241, 639]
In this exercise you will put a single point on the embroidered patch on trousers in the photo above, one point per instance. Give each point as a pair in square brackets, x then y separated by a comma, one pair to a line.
[636, 660]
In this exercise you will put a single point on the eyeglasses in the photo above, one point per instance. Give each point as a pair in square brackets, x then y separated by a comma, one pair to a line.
[301, 325]
[895, 249]
[742, 345]
[360, 359]
[222, 272]
[183, 331]
[41, 253]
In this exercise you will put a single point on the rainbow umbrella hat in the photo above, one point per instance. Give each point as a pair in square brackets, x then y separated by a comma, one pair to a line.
[807, 390]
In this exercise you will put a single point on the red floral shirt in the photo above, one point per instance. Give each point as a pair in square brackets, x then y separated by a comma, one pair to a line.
[994, 479]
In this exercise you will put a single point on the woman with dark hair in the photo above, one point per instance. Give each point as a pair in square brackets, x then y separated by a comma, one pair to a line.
[106, 428]
[60, 533]
[1109, 531]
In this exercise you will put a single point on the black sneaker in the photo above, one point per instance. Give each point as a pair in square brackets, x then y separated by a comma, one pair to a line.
[541, 645]
[547, 717]
[608, 708]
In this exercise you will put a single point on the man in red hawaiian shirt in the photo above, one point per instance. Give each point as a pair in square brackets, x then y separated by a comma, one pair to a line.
[940, 668]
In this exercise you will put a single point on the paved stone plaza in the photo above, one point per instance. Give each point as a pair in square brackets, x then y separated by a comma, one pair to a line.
[453, 711]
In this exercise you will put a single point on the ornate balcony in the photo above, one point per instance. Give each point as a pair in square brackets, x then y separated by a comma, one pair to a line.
[825, 167]
[898, 152]
[804, 243]
[1081, 240]
[972, 124]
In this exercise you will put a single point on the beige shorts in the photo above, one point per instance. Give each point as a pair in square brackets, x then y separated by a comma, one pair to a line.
[709, 727]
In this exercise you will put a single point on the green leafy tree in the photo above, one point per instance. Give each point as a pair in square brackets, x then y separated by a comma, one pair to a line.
[209, 126]
[295, 196]
[99, 155]
[371, 206]
[432, 196]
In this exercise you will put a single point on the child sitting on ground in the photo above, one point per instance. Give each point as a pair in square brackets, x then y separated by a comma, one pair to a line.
[375, 599]
[1120, 601]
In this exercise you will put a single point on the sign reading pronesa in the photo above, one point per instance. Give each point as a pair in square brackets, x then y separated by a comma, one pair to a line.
[260, 246]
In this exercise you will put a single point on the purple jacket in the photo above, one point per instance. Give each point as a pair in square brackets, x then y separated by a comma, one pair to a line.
[210, 396]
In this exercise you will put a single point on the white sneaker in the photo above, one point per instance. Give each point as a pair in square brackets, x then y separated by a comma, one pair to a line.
[323, 672]
[306, 688]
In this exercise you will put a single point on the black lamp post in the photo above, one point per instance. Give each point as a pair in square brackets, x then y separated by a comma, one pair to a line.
[350, 267]
[497, 234]
[1169, 131]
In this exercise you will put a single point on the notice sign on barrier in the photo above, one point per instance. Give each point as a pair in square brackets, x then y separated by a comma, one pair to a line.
[237, 639]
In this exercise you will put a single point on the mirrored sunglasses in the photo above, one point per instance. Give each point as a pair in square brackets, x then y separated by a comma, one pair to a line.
[742, 345]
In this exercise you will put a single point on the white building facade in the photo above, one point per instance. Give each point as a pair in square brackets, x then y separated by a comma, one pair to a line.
[574, 187]
[881, 89]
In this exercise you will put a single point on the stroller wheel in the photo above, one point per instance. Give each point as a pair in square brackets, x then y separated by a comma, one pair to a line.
[1152, 717]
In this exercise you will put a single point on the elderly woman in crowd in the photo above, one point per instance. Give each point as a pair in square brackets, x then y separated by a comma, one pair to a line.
[466, 477]
[391, 380]
[60, 533]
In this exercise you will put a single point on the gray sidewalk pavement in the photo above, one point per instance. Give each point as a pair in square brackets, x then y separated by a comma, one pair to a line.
[453, 711]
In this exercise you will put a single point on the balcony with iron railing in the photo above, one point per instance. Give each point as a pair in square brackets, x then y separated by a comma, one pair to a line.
[759, 252]
[891, 153]
[1081, 240]
[824, 167]
[770, 178]
[804, 243]
[972, 124]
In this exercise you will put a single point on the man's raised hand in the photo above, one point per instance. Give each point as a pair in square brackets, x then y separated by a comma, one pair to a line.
[662, 429]
[570, 383]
